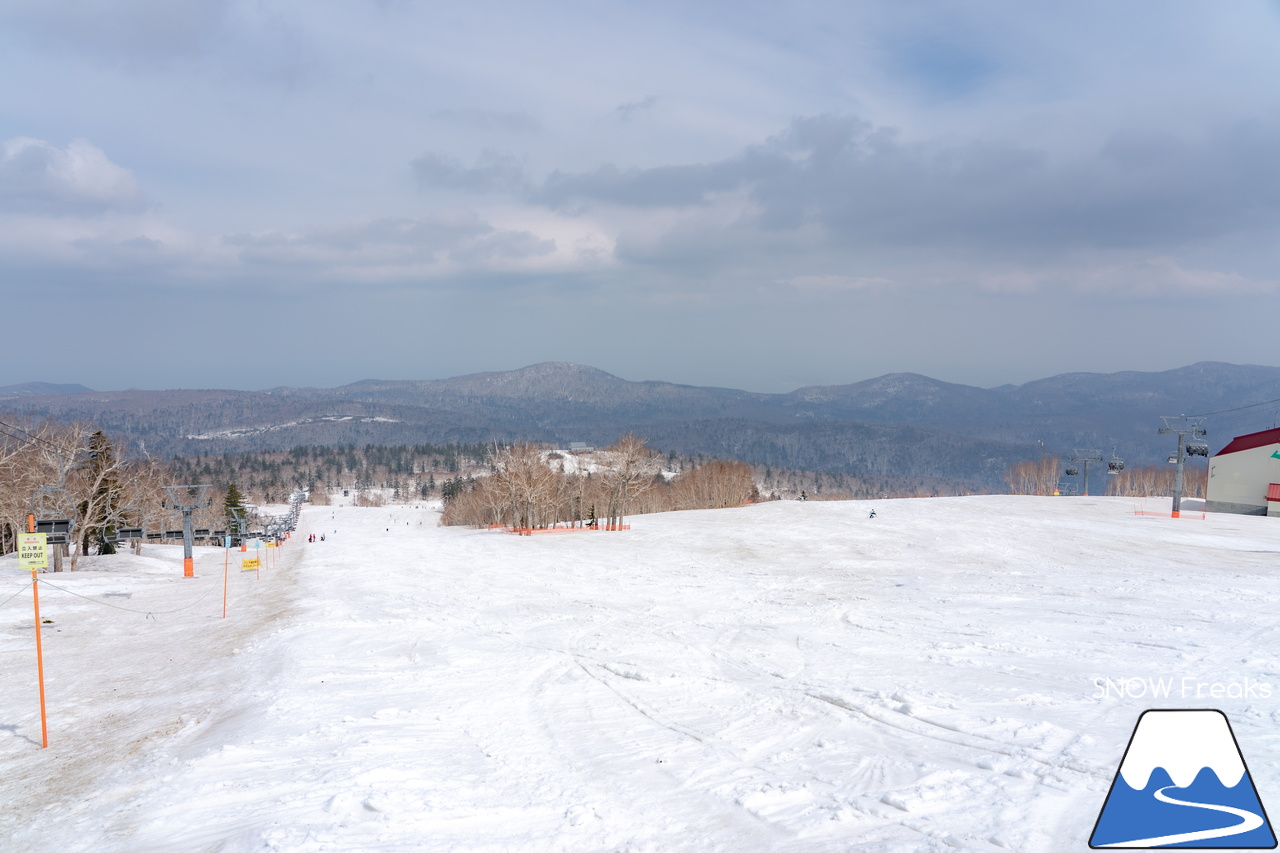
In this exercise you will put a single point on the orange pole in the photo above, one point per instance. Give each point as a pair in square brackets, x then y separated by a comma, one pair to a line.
[188, 567]
[44, 720]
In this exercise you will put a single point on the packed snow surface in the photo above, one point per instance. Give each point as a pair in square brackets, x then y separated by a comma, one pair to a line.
[954, 674]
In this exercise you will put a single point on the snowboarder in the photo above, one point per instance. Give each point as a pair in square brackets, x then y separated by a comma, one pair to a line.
[803, 496]
[873, 514]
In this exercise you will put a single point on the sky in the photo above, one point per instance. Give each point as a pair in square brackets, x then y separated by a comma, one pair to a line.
[253, 193]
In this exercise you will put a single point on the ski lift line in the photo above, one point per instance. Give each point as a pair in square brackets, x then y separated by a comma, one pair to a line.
[148, 613]
[30, 439]
[1237, 409]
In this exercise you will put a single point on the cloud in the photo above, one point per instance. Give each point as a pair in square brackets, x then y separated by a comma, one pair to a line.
[1144, 278]
[833, 283]
[626, 112]
[395, 248]
[663, 186]
[488, 120]
[38, 177]
[504, 245]
[492, 172]
[129, 30]
[867, 187]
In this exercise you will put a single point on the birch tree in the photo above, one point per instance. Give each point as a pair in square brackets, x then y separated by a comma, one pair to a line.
[631, 469]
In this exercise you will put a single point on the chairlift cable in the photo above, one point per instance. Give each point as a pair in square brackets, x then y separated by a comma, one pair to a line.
[1236, 409]
[30, 439]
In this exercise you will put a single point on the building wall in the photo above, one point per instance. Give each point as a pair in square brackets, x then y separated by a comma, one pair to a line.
[1240, 479]
[1237, 509]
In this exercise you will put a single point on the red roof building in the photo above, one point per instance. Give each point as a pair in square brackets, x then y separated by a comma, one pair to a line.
[1244, 476]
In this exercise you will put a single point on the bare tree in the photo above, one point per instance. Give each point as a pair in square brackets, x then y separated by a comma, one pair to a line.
[631, 469]
[716, 484]
[98, 493]
[1033, 476]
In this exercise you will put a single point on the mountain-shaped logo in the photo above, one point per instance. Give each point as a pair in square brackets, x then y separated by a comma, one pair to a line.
[1183, 783]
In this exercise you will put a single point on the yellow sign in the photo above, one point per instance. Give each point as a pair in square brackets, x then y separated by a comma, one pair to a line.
[33, 553]
[250, 565]
[271, 544]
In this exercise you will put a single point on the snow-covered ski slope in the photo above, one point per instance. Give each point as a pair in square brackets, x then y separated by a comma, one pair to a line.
[783, 677]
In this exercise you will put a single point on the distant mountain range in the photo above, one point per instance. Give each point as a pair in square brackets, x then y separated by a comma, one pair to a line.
[34, 389]
[899, 425]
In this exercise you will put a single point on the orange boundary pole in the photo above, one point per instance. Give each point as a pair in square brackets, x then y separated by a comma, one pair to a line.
[44, 720]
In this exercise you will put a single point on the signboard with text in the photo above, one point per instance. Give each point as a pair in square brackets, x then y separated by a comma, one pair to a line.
[33, 552]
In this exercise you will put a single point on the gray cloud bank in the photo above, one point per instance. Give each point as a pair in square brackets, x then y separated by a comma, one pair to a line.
[866, 186]
[402, 244]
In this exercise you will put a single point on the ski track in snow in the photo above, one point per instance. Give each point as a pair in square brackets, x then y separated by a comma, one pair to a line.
[785, 677]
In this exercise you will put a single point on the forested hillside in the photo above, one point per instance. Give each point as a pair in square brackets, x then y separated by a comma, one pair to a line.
[903, 430]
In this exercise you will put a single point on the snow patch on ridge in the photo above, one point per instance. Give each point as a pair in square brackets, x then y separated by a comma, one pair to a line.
[241, 432]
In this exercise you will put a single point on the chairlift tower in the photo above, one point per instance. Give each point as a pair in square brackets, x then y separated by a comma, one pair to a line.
[1085, 456]
[239, 517]
[1189, 427]
[187, 499]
